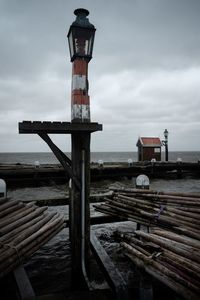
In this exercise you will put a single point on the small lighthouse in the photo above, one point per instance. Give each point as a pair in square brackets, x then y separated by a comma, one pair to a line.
[81, 38]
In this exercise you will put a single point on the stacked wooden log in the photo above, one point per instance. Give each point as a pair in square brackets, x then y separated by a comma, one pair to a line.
[172, 259]
[24, 228]
[179, 212]
[168, 248]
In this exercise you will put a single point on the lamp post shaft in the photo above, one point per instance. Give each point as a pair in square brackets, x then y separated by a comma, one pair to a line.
[166, 133]
[166, 150]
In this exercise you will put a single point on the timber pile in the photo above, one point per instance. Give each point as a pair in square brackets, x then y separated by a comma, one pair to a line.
[172, 259]
[177, 211]
[24, 228]
[170, 249]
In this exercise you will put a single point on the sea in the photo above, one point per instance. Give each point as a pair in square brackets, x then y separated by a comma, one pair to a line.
[49, 158]
[49, 267]
[179, 185]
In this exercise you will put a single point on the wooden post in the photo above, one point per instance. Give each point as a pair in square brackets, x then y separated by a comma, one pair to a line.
[79, 209]
[81, 38]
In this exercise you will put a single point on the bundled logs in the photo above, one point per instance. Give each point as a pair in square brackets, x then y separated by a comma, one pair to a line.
[176, 264]
[176, 211]
[24, 228]
[169, 248]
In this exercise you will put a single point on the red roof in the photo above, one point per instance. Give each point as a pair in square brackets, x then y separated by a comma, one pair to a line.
[149, 141]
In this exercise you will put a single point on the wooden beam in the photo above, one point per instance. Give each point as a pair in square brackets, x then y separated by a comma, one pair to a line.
[63, 159]
[110, 271]
[23, 283]
[57, 152]
[57, 127]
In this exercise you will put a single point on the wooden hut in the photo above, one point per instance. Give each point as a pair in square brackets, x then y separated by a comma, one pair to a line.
[148, 148]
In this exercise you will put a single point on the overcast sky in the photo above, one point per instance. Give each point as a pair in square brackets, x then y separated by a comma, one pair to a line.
[144, 75]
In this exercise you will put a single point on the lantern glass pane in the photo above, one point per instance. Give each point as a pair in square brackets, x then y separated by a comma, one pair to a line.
[81, 46]
[71, 44]
[81, 42]
[90, 45]
[166, 134]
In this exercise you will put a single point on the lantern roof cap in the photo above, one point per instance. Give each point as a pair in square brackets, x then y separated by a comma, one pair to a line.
[82, 11]
[81, 18]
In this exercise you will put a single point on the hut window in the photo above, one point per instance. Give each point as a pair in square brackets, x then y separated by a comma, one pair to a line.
[156, 150]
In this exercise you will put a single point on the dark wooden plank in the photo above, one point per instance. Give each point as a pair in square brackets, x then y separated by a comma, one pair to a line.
[52, 297]
[24, 286]
[113, 276]
[103, 294]
[57, 127]
[63, 159]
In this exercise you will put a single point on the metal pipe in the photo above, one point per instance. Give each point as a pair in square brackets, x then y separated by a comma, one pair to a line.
[83, 221]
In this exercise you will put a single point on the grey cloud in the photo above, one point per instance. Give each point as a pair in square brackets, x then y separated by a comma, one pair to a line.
[144, 76]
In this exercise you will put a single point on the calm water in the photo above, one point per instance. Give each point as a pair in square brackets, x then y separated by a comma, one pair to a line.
[49, 158]
[181, 185]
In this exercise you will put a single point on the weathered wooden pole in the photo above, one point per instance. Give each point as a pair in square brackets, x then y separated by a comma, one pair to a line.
[79, 209]
[81, 38]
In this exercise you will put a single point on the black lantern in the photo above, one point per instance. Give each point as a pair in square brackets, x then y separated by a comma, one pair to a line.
[81, 36]
[166, 133]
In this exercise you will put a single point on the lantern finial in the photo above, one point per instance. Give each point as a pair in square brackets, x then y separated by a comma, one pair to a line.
[81, 18]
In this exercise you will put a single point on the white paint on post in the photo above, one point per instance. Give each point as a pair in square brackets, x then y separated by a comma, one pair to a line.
[81, 111]
[79, 82]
